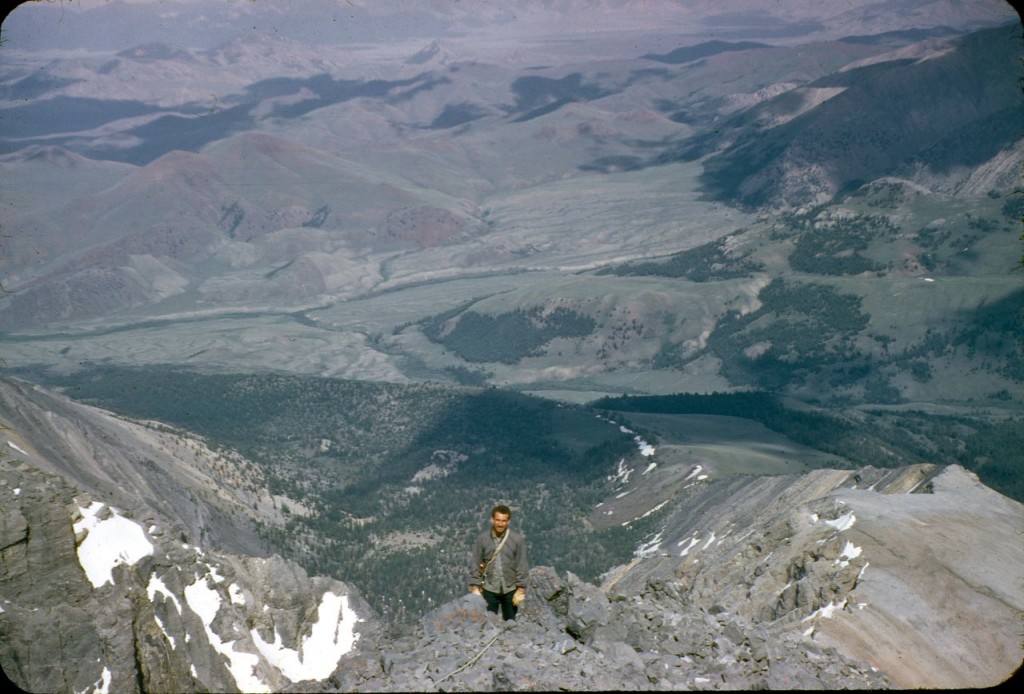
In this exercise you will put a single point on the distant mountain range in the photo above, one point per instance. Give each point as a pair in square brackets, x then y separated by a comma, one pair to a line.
[353, 178]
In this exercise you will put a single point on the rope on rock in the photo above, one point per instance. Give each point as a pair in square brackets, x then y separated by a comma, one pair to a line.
[471, 661]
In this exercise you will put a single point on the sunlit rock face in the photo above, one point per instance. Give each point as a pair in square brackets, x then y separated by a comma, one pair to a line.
[914, 571]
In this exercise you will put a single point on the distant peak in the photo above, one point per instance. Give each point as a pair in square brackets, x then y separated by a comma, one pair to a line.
[155, 51]
[433, 53]
[703, 50]
[49, 154]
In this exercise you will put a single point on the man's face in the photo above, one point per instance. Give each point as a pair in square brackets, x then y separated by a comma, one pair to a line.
[499, 521]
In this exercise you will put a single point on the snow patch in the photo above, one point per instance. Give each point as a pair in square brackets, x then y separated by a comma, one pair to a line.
[686, 550]
[108, 543]
[156, 585]
[646, 449]
[653, 510]
[826, 611]
[102, 685]
[650, 547]
[862, 570]
[850, 551]
[331, 637]
[205, 602]
[237, 596]
[622, 473]
[170, 639]
[844, 522]
[16, 447]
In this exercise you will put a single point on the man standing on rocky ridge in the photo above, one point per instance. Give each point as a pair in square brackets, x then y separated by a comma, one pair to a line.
[498, 566]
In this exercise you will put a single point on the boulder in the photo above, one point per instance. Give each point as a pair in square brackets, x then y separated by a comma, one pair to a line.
[469, 610]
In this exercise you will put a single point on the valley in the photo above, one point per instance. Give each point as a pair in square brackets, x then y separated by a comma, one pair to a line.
[597, 190]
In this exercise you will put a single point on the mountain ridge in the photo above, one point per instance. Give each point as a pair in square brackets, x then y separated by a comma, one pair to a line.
[888, 127]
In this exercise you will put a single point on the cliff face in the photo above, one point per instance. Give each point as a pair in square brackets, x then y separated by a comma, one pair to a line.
[92, 600]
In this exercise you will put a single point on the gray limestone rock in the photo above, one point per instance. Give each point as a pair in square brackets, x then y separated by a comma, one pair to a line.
[127, 609]
[588, 610]
[470, 609]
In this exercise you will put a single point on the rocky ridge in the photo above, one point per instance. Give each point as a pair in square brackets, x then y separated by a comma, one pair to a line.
[141, 467]
[135, 608]
[836, 579]
[572, 636]
[915, 571]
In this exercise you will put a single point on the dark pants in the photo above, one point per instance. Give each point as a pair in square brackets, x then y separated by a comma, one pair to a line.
[508, 610]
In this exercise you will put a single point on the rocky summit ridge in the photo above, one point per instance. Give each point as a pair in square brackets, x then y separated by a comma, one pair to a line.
[836, 579]
[128, 607]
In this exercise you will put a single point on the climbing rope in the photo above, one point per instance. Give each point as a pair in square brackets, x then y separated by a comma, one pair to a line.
[471, 661]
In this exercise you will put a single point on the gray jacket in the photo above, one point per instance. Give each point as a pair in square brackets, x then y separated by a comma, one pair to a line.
[508, 571]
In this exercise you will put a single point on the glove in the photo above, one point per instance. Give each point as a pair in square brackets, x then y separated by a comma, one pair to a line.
[519, 596]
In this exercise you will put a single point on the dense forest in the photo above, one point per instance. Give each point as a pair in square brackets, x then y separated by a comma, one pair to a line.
[508, 337]
[800, 329]
[710, 262]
